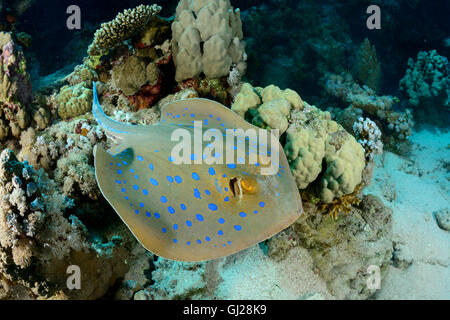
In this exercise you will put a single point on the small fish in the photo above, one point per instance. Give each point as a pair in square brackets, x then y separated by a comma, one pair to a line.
[192, 212]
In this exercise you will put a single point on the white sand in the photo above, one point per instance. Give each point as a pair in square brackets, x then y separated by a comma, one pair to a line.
[421, 187]
[252, 275]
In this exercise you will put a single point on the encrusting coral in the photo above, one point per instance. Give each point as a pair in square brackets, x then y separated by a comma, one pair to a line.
[207, 37]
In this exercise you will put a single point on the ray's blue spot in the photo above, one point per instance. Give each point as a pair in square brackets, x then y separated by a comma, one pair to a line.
[148, 214]
[119, 171]
[208, 239]
[136, 177]
[153, 182]
[262, 204]
[211, 171]
[175, 240]
[212, 207]
[183, 206]
[193, 156]
[171, 210]
[178, 179]
[164, 230]
[132, 170]
[220, 233]
[170, 159]
[199, 217]
[145, 192]
[221, 220]
[231, 166]
[237, 227]
[197, 193]
[163, 199]
[136, 211]
[170, 179]
[188, 243]
[136, 187]
[175, 227]
[123, 190]
[157, 215]
[199, 241]
[150, 166]
[140, 158]
[242, 214]
[118, 182]
[188, 223]
[226, 199]
[255, 212]
[141, 205]
[195, 176]
[207, 192]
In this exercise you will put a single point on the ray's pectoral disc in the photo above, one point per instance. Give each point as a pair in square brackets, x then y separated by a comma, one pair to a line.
[196, 211]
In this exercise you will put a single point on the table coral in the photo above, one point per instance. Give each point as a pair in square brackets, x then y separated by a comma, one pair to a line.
[207, 37]
[123, 27]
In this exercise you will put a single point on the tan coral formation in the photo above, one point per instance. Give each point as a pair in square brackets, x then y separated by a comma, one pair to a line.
[314, 143]
[207, 37]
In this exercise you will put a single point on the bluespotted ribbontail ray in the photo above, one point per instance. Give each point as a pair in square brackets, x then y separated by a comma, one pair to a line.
[191, 212]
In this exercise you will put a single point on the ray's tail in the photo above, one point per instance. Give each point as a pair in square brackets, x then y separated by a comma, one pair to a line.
[111, 127]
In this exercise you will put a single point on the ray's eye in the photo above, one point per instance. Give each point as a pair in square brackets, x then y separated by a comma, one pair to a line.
[249, 185]
[239, 186]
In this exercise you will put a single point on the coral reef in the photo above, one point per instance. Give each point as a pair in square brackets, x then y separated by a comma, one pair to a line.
[357, 101]
[369, 136]
[207, 38]
[343, 249]
[131, 75]
[427, 86]
[38, 243]
[315, 145]
[123, 27]
[367, 69]
[18, 109]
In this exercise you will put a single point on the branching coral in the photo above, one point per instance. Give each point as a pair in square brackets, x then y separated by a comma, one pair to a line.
[123, 27]
[363, 101]
[369, 136]
[207, 37]
[427, 84]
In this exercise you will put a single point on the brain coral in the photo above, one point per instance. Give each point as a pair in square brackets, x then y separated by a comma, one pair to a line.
[207, 37]
[123, 27]
[315, 145]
